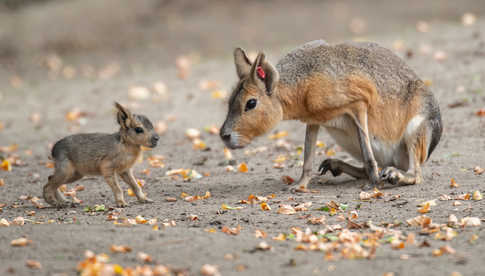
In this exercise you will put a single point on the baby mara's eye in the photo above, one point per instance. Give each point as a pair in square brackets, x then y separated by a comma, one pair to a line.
[138, 130]
[250, 104]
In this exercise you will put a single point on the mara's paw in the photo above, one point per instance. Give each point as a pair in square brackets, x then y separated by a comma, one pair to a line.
[390, 175]
[121, 204]
[50, 198]
[329, 165]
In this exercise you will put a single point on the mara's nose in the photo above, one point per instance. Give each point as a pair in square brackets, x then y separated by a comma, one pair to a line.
[225, 136]
[155, 139]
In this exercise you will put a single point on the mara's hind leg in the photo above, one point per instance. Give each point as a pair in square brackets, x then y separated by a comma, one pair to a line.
[337, 167]
[417, 149]
[64, 171]
[59, 196]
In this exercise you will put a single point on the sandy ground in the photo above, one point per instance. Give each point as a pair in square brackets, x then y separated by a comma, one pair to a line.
[60, 237]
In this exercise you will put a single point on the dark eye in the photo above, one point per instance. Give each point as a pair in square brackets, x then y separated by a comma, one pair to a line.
[250, 104]
[138, 130]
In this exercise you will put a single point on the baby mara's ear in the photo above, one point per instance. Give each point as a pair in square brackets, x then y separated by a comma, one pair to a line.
[264, 74]
[242, 62]
[123, 116]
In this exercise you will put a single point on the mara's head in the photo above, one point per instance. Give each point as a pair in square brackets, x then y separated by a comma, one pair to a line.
[136, 129]
[253, 106]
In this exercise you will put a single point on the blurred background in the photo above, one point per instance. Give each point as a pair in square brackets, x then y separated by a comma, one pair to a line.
[160, 30]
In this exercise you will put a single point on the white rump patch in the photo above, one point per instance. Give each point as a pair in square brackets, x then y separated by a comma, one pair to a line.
[414, 125]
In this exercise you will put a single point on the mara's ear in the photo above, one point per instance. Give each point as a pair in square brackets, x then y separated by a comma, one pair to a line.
[264, 74]
[123, 116]
[243, 65]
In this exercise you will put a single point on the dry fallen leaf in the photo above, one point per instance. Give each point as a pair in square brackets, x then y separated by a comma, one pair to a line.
[446, 249]
[4, 222]
[478, 170]
[140, 220]
[5, 165]
[209, 270]
[477, 195]
[183, 65]
[33, 264]
[470, 221]
[278, 135]
[231, 231]
[170, 199]
[367, 196]
[192, 133]
[218, 94]
[227, 207]
[242, 167]
[227, 154]
[208, 85]
[20, 242]
[120, 249]
[468, 19]
[452, 220]
[440, 55]
[260, 234]
[264, 246]
[286, 209]
[2, 182]
[144, 257]
[453, 183]
[317, 220]
[265, 206]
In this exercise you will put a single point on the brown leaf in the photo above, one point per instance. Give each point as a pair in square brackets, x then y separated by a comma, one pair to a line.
[480, 112]
[144, 257]
[209, 270]
[260, 234]
[120, 249]
[265, 207]
[453, 183]
[231, 231]
[425, 209]
[478, 171]
[33, 264]
[20, 242]
[315, 220]
[264, 246]
[286, 209]
[242, 167]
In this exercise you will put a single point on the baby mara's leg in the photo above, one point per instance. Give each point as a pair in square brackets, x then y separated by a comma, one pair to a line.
[64, 173]
[129, 179]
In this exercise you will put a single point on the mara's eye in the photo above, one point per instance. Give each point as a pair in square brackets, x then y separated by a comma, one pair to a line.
[138, 130]
[250, 104]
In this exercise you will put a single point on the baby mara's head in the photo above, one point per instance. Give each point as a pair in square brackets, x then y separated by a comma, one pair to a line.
[136, 129]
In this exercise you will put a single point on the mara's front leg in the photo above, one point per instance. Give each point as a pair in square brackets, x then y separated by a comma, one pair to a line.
[310, 140]
[129, 179]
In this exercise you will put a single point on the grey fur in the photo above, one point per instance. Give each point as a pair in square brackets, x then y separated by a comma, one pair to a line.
[387, 70]
[109, 155]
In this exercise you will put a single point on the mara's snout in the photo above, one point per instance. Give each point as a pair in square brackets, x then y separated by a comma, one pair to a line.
[154, 140]
[231, 139]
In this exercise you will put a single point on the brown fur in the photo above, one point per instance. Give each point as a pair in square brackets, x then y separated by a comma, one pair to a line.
[109, 155]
